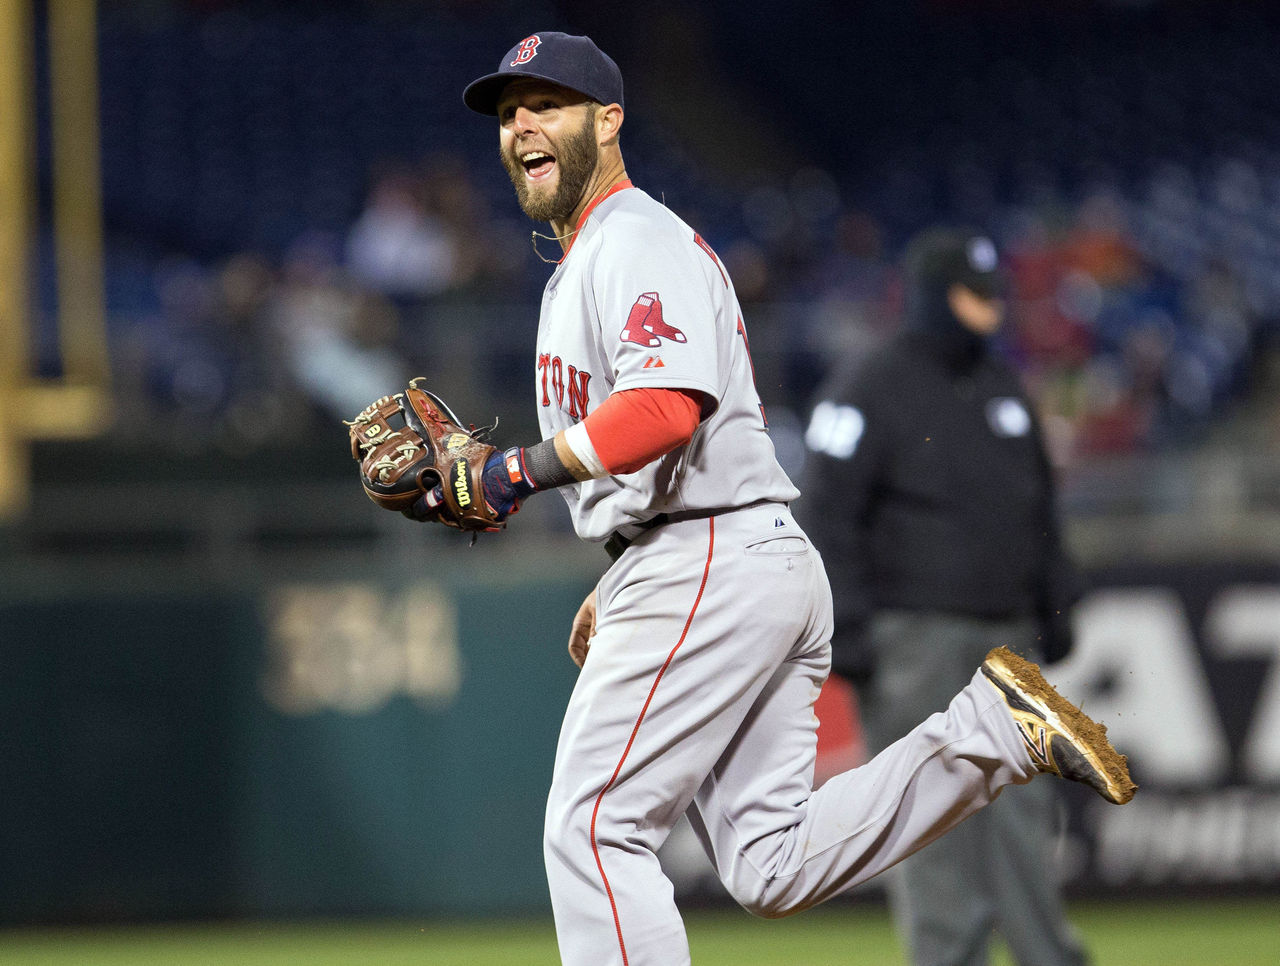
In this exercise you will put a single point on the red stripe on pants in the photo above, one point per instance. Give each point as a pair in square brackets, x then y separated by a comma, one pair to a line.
[706, 570]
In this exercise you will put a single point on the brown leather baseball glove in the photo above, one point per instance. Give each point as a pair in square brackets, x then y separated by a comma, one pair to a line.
[415, 457]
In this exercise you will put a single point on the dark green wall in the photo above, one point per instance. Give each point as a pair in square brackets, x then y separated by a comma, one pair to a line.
[148, 774]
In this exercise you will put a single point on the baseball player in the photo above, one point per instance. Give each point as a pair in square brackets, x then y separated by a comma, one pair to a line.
[704, 646]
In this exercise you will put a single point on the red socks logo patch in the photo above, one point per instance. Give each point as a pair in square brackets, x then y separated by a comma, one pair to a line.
[645, 325]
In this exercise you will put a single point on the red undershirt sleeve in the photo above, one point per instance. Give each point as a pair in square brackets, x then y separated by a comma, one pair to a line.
[634, 427]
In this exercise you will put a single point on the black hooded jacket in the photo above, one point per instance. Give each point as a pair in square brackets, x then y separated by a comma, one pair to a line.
[927, 488]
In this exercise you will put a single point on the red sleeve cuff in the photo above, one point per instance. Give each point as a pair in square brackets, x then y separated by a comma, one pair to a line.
[634, 427]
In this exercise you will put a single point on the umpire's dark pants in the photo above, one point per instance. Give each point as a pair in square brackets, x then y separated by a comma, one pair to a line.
[996, 870]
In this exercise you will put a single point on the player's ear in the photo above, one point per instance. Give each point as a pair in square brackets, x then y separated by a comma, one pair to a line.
[608, 123]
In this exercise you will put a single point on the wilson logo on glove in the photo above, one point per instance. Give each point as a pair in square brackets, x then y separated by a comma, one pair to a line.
[461, 492]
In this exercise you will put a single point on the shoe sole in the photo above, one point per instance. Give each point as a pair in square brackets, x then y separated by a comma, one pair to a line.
[1087, 736]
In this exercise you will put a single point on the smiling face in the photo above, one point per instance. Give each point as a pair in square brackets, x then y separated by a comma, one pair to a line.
[548, 146]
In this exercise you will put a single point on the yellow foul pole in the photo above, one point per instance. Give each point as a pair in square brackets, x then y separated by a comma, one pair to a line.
[77, 191]
[16, 179]
[77, 405]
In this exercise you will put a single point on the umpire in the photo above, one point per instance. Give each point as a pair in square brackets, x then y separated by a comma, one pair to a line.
[931, 498]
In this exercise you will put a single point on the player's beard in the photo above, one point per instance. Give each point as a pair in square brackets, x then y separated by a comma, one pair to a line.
[576, 159]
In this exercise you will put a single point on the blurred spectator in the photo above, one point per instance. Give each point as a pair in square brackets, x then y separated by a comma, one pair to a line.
[398, 246]
[1142, 238]
[202, 368]
[262, 399]
[337, 339]
[488, 253]
[855, 277]
[854, 297]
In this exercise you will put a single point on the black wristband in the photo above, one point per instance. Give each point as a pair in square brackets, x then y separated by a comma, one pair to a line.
[544, 467]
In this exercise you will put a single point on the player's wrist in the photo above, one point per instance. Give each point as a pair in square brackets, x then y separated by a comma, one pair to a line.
[523, 470]
[541, 466]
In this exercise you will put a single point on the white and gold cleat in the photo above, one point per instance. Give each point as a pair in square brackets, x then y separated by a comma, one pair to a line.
[1060, 738]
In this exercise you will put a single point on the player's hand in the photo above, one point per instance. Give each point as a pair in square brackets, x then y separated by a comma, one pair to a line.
[426, 507]
[583, 629]
[502, 492]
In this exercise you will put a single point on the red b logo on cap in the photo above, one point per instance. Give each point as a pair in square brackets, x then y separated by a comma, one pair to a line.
[527, 50]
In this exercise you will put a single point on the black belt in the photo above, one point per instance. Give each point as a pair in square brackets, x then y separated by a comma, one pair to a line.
[618, 543]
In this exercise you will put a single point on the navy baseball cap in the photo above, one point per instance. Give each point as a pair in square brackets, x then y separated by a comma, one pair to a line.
[574, 62]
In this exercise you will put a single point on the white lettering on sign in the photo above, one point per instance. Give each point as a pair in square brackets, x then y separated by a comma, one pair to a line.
[1135, 668]
[1232, 835]
[352, 646]
[1245, 622]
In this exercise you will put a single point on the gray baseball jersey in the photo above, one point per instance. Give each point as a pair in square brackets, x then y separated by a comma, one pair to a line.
[712, 632]
[640, 300]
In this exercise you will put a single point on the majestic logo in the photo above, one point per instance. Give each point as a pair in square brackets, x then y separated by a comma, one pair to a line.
[645, 325]
[461, 491]
[526, 51]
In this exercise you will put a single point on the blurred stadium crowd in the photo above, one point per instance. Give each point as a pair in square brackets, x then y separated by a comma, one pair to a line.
[301, 214]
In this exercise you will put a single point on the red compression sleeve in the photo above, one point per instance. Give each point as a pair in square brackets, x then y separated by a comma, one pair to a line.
[634, 427]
